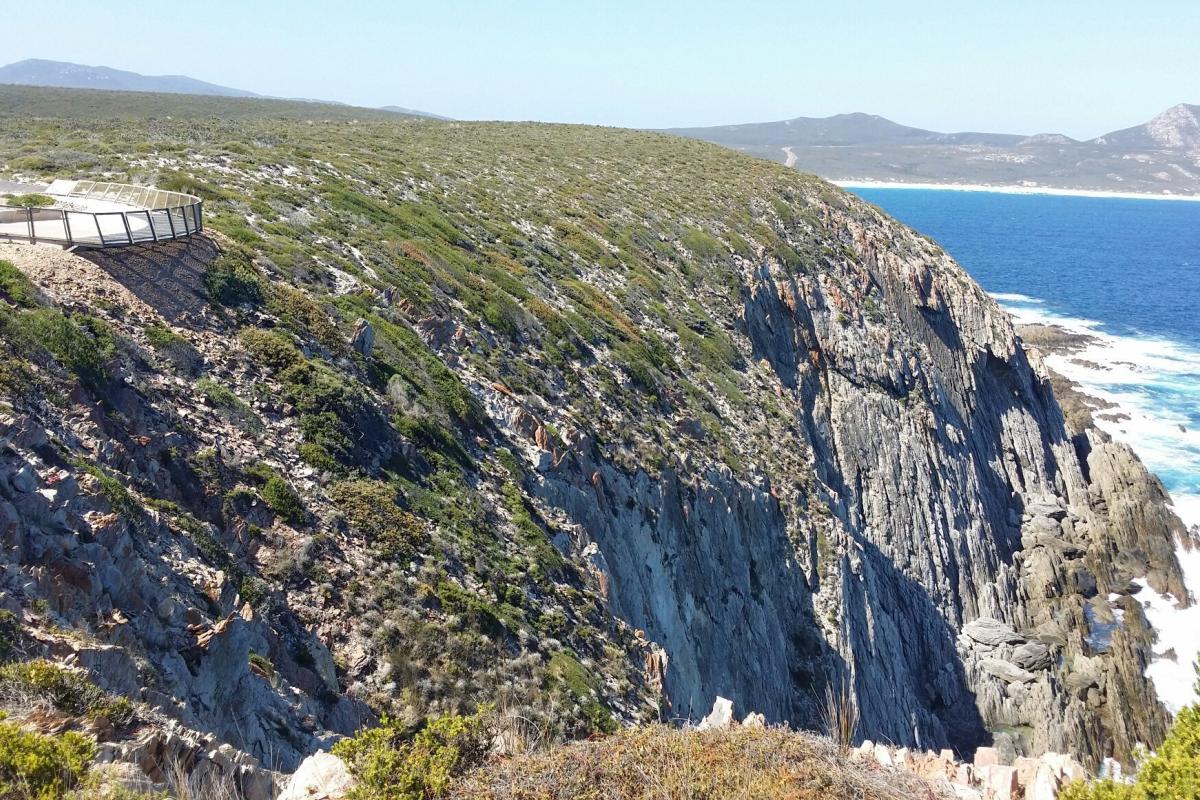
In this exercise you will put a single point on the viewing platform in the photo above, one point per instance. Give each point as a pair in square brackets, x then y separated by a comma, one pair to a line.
[96, 214]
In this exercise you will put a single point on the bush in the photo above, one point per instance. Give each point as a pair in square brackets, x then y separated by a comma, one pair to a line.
[15, 287]
[233, 280]
[280, 498]
[270, 349]
[65, 690]
[40, 767]
[393, 763]
[29, 200]
[81, 343]
[276, 492]
[218, 395]
[1101, 790]
[10, 632]
[371, 512]
[172, 347]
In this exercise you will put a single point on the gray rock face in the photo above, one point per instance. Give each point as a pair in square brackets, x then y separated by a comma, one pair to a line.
[944, 495]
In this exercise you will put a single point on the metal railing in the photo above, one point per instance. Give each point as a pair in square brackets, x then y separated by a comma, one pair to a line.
[156, 216]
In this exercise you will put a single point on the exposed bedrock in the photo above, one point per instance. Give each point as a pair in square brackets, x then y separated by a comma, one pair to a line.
[939, 499]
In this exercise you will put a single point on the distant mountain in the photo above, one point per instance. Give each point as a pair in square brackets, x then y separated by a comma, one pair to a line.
[39, 72]
[412, 112]
[840, 130]
[1159, 157]
[1177, 128]
[62, 74]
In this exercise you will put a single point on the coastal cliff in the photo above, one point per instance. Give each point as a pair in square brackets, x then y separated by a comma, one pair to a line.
[594, 424]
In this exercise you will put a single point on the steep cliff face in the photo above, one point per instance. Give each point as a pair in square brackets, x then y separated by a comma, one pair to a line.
[595, 424]
[947, 490]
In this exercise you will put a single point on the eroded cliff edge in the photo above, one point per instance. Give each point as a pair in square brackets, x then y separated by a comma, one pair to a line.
[955, 550]
[597, 423]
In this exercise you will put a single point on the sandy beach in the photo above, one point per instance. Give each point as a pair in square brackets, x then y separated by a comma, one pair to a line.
[1044, 190]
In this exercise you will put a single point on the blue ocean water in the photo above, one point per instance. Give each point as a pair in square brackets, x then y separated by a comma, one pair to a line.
[1132, 265]
[1126, 272]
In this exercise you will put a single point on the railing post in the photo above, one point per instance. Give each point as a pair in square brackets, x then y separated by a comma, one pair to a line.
[99, 230]
[171, 222]
[150, 222]
[67, 227]
[29, 218]
[128, 231]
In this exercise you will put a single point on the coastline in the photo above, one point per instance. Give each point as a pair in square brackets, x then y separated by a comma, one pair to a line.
[1010, 189]
[1104, 374]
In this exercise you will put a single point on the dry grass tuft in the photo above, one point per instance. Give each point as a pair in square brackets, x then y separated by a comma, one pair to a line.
[662, 763]
[840, 713]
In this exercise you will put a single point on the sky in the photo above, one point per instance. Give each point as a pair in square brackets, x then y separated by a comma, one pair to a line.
[1018, 66]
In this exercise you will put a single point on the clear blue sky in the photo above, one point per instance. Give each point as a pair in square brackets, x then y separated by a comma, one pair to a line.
[1080, 68]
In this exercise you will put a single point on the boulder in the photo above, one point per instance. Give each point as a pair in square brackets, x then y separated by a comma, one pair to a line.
[1045, 785]
[986, 757]
[998, 782]
[1045, 507]
[754, 720]
[721, 716]
[24, 480]
[1026, 769]
[321, 776]
[1032, 656]
[1006, 671]
[363, 338]
[991, 632]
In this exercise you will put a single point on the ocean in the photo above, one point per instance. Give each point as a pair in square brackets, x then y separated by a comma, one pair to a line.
[1126, 272]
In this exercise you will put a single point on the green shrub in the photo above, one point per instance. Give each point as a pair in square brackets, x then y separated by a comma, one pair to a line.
[1102, 790]
[276, 492]
[281, 499]
[162, 337]
[15, 287]
[270, 349]
[317, 456]
[10, 630]
[392, 763]
[178, 182]
[263, 663]
[39, 767]
[233, 280]
[371, 511]
[171, 346]
[81, 343]
[253, 591]
[1174, 771]
[335, 414]
[29, 200]
[218, 395]
[66, 690]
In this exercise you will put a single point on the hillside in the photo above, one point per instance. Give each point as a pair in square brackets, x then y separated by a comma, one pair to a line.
[65, 75]
[40, 72]
[841, 130]
[591, 423]
[1177, 128]
[1159, 157]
